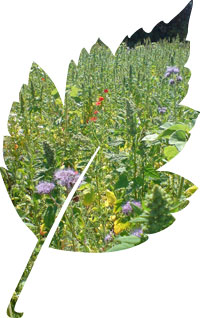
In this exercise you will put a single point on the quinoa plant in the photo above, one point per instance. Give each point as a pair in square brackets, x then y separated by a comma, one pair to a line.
[159, 216]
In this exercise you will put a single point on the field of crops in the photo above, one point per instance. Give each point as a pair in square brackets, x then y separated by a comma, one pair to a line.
[128, 104]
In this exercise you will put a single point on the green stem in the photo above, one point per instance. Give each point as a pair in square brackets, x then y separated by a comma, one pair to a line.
[180, 190]
[74, 234]
[175, 113]
[66, 124]
[71, 228]
[134, 160]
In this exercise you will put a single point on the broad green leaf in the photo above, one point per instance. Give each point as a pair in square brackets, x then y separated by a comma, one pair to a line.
[170, 152]
[178, 138]
[139, 220]
[76, 211]
[167, 125]
[150, 138]
[89, 197]
[118, 205]
[55, 94]
[131, 239]
[119, 247]
[49, 216]
[122, 181]
[178, 135]
[74, 91]
[169, 131]
[180, 145]
[149, 171]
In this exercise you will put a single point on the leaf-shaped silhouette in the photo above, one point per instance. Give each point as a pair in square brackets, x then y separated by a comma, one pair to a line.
[128, 104]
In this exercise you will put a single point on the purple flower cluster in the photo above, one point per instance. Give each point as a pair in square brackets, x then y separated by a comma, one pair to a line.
[162, 110]
[108, 238]
[179, 78]
[45, 187]
[137, 232]
[127, 208]
[171, 81]
[173, 70]
[66, 177]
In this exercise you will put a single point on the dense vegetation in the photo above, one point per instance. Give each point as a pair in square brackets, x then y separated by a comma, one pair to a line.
[129, 105]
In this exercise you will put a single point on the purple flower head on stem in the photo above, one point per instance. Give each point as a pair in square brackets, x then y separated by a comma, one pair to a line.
[171, 70]
[171, 81]
[129, 206]
[179, 78]
[162, 110]
[137, 232]
[176, 70]
[66, 177]
[167, 74]
[45, 187]
[108, 238]
[137, 203]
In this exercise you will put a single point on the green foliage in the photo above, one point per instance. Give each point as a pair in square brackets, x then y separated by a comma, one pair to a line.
[48, 154]
[49, 216]
[112, 101]
[170, 152]
[159, 216]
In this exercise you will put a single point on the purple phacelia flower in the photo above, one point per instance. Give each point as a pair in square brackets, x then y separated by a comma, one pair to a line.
[129, 206]
[179, 78]
[172, 69]
[137, 203]
[66, 177]
[137, 232]
[169, 69]
[171, 81]
[45, 187]
[108, 238]
[167, 74]
[162, 110]
[176, 70]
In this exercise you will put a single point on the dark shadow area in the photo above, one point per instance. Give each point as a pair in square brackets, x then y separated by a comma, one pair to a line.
[177, 27]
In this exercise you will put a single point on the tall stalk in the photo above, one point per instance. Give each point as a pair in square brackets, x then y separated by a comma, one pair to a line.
[180, 190]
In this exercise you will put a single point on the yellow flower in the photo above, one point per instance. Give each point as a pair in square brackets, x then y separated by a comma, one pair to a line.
[118, 227]
[110, 198]
[42, 232]
[112, 218]
[100, 228]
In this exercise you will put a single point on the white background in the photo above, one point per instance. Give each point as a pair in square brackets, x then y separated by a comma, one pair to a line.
[157, 279]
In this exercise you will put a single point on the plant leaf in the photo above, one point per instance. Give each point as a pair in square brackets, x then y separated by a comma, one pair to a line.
[116, 102]
[170, 152]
